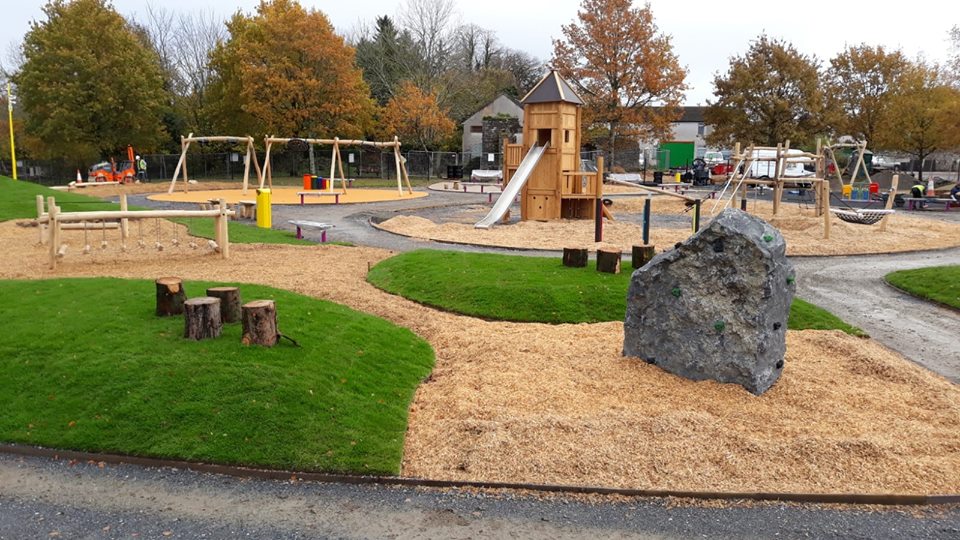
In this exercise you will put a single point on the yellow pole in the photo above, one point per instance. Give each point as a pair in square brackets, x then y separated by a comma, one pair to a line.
[13, 148]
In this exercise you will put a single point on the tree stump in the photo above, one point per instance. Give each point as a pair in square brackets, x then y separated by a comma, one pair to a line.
[202, 318]
[642, 255]
[259, 323]
[608, 260]
[229, 302]
[170, 296]
[575, 257]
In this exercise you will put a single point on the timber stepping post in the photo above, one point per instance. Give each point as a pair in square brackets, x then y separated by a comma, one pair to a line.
[229, 302]
[201, 318]
[259, 323]
[575, 257]
[608, 260]
[170, 296]
[641, 255]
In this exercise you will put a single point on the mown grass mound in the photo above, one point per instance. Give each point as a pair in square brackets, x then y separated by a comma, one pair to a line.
[530, 289]
[940, 284]
[88, 366]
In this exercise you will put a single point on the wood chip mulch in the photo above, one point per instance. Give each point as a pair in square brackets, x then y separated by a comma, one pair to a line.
[559, 404]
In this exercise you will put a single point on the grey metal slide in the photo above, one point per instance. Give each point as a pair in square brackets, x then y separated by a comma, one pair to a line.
[513, 188]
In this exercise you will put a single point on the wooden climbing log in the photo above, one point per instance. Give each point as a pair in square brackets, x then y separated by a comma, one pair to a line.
[575, 257]
[170, 296]
[201, 318]
[608, 260]
[259, 323]
[229, 302]
[642, 255]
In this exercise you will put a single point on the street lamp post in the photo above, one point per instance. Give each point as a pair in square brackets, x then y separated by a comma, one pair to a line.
[13, 149]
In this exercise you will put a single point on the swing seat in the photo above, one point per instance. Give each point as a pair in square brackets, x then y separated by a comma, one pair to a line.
[861, 217]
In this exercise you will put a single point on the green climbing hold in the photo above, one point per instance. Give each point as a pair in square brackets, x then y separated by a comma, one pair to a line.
[719, 326]
[767, 238]
[676, 292]
[790, 280]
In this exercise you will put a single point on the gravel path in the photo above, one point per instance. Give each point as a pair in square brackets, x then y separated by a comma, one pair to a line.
[58, 499]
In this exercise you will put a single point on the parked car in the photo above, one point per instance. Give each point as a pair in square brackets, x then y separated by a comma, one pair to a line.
[712, 157]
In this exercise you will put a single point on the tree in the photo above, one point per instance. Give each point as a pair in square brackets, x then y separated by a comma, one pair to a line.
[285, 71]
[923, 118]
[88, 85]
[415, 115]
[183, 43]
[861, 83]
[387, 58]
[769, 95]
[623, 68]
[953, 62]
[432, 24]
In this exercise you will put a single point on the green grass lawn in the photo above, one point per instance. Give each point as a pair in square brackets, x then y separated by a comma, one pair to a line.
[530, 289]
[939, 283]
[18, 201]
[87, 365]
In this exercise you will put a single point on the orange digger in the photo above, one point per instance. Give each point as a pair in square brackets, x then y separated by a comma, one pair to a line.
[110, 171]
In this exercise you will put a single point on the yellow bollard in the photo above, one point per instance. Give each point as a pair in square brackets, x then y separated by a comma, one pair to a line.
[677, 177]
[264, 216]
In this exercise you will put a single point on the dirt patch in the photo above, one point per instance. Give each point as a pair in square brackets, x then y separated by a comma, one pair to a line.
[802, 230]
[542, 403]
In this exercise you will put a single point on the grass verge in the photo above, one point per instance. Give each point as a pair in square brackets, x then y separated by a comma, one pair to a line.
[531, 289]
[940, 284]
[100, 372]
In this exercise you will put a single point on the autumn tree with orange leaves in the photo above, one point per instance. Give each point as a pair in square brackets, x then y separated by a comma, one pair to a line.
[286, 72]
[624, 69]
[415, 116]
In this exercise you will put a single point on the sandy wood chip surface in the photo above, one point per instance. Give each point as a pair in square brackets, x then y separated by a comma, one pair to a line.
[801, 229]
[541, 403]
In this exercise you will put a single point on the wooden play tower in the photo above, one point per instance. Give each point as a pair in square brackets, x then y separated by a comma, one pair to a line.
[556, 188]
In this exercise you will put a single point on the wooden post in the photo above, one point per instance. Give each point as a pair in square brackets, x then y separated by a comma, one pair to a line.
[54, 227]
[170, 296]
[180, 164]
[201, 318]
[246, 169]
[229, 302]
[223, 222]
[42, 227]
[894, 183]
[259, 323]
[343, 178]
[575, 257]
[256, 164]
[333, 159]
[608, 260]
[396, 158]
[826, 209]
[641, 255]
[266, 163]
[124, 222]
[184, 146]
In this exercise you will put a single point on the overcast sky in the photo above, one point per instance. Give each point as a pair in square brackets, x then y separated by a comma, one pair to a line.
[705, 34]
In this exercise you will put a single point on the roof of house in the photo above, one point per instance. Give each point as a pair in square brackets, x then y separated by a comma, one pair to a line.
[552, 88]
[692, 114]
[489, 103]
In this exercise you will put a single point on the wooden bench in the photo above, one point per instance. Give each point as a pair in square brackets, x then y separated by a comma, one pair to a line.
[916, 203]
[334, 194]
[322, 227]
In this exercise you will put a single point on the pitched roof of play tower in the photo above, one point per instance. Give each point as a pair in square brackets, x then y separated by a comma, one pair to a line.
[550, 89]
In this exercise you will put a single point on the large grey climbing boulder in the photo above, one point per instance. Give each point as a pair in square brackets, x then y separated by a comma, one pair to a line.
[715, 307]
